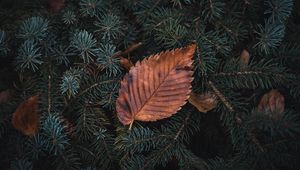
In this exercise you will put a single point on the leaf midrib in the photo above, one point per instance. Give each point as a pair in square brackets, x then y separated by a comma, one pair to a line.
[154, 92]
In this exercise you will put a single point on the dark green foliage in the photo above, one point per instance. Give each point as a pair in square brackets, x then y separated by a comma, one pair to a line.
[85, 45]
[21, 164]
[218, 42]
[279, 10]
[161, 145]
[29, 56]
[3, 126]
[69, 17]
[33, 28]
[70, 83]
[179, 3]
[69, 160]
[262, 74]
[103, 147]
[63, 54]
[108, 62]
[170, 34]
[92, 7]
[269, 36]
[109, 26]
[87, 123]
[36, 146]
[279, 136]
[3, 44]
[71, 59]
[212, 9]
[54, 131]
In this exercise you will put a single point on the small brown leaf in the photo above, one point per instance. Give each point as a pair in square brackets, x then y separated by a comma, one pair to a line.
[26, 118]
[56, 5]
[245, 57]
[5, 96]
[203, 102]
[69, 127]
[156, 87]
[272, 103]
[127, 64]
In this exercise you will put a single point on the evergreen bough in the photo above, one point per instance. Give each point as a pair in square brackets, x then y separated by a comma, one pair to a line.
[71, 59]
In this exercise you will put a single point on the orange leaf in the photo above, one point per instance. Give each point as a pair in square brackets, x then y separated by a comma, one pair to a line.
[272, 103]
[26, 118]
[203, 102]
[156, 87]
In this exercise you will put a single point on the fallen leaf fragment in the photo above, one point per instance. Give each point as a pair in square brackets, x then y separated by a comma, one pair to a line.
[26, 118]
[272, 104]
[203, 102]
[127, 64]
[56, 5]
[245, 57]
[5, 96]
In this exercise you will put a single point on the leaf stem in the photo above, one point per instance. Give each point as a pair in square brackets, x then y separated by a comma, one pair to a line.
[130, 126]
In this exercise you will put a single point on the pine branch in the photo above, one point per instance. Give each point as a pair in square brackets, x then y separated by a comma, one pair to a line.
[238, 120]
[221, 96]
[182, 126]
[49, 91]
[155, 158]
[152, 8]
[92, 86]
[245, 73]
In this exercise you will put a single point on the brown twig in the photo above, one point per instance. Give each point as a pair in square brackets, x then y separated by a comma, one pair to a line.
[128, 50]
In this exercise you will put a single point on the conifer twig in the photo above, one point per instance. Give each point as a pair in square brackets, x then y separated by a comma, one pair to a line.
[85, 91]
[238, 120]
[221, 96]
[183, 125]
[49, 94]
[255, 140]
[171, 143]
[49, 89]
[238, 73]
[155, 158]
[132, 48]
[153, 7]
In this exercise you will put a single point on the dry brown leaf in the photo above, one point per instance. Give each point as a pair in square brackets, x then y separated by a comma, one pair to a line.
[245, 57]
[272, 103]
[26, 118]
[203, 102]
[56, 5]
[127, 64]
[156, 87]
[5, 96]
